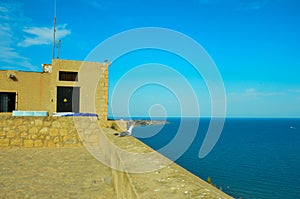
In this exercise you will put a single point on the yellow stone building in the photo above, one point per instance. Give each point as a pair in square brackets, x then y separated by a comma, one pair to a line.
[63, 86]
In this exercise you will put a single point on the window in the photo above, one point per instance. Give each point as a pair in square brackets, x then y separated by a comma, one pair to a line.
[67, 76]
[7, 102]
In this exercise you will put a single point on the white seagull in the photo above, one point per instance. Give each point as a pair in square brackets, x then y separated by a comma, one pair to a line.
[128, 131]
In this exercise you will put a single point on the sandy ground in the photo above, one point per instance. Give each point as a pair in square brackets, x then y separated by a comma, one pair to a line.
[53, 173]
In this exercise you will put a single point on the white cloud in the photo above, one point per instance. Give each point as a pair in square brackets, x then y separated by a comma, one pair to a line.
[9, 55]
[12, 21]
[43, 35]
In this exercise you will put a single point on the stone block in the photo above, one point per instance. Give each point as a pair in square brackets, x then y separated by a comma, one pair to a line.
[44, 131]
[56, 124]
[18, 122]
[10, 122]
[4, 142]
[47, 123]
[56, 140]
[16, 142]
[28, 143]
[34, 136]
[22, 128]
[48, 137]
[33, 130]
[38, 143]
[50, 143]
[38, 122]
[53, 132]
[67, 138]
[23, 135]
[2, 122]
[10, 134]
[6, 129]
[42, 137]
[2, 134]
[63, 132]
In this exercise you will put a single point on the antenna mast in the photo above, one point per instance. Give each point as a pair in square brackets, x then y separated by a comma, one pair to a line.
[54, 31]
[58, 48]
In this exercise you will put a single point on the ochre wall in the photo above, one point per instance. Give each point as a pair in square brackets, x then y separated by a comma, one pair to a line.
[38, 91]
[32, 89]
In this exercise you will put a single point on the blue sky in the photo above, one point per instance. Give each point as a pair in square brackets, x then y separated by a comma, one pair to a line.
[254, 44]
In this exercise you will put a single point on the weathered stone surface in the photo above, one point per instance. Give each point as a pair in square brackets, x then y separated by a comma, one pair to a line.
[50, 143]
[42, 137]
[38, 143]
[53, 132]
[28, 143]
[34, 136]
[63, 132]
[16, 142]
[55, 124]
[56, 140]
[11, 134]
[67, 138]
[23, 135]
[6, 128]
[38, 122]
[4, 142]
[18, 122]
[47, 123]
[2, 134]
[48, 137]
[33, 130]
[2, 123]
[22, 128]
[9, 122]
[44, 131]
[93, 126]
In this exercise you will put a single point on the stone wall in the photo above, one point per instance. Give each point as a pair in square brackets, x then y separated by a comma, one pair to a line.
[50, 131]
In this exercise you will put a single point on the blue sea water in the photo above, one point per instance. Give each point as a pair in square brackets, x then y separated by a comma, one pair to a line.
[253, 158]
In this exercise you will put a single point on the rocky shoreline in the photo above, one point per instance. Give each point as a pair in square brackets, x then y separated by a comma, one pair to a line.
[149, 122]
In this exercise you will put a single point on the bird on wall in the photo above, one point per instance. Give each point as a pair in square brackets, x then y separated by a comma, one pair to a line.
[128, 131]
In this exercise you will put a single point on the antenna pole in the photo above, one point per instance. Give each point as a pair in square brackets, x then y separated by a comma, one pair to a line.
[54, 31]
[58, 48]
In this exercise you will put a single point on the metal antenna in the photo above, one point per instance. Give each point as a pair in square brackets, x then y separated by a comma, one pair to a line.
[58, 48]
[54, 31]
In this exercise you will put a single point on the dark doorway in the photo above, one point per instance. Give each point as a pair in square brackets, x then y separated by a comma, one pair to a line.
[7, 101]
[68, 99]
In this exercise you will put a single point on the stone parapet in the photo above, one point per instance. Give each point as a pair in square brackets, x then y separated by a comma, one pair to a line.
[140, 172]
[50, 131]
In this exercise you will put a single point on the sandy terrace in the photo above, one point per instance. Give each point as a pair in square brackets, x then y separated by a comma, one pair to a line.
[53, 173]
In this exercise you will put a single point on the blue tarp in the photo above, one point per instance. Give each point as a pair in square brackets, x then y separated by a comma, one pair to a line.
[82, 114]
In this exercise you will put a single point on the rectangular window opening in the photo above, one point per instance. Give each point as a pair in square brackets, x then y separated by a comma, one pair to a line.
[68, 76]
[7, 101]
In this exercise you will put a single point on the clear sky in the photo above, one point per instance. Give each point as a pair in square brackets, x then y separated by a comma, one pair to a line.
[255, 45]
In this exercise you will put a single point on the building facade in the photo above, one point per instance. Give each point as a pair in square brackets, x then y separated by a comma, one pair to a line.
[63, 86]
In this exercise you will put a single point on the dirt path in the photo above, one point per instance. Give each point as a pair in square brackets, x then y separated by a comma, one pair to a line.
[53, 173]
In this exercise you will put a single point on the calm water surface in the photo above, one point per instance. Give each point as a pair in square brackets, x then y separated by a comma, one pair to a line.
[253, 158]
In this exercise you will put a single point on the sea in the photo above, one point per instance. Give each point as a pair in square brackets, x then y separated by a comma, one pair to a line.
[253, 158]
